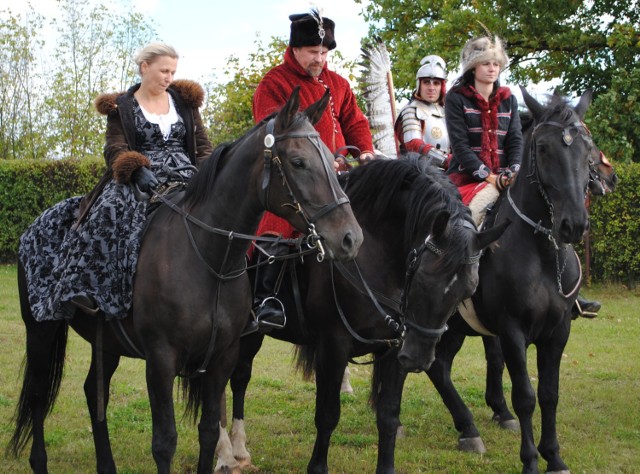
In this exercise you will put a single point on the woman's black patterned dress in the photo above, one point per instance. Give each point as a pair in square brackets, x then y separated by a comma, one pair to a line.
[98, 258]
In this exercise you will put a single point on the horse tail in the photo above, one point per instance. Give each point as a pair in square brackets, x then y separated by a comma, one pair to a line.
[191, 387]
[376, 380]
[43, 367]
[305, 360]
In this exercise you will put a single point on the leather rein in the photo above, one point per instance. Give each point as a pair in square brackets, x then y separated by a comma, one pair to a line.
[397, 321]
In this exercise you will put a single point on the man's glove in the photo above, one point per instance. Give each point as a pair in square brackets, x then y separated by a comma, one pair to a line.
[144, 179]
[504, 179]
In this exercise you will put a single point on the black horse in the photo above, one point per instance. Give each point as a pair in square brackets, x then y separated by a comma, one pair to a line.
[418, 261]
[529, 281]
[192, 292]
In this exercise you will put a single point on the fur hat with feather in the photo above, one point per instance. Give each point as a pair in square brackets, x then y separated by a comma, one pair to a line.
[482, 49]
[312, 29]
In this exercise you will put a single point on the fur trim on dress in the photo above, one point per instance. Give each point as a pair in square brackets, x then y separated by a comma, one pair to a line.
[191, 93]
[126, 163]
[106, 103]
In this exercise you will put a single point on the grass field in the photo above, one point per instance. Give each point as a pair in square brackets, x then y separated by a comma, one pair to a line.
[598, 416]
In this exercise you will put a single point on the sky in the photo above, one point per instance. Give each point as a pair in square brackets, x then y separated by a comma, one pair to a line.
[206, 32]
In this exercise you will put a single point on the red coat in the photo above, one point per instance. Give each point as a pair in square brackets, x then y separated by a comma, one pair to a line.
[342, 122]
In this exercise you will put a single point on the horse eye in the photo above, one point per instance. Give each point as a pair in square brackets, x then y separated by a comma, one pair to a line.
[298, 163]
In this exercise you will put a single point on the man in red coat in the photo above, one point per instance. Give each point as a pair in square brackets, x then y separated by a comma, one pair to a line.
[342, 124]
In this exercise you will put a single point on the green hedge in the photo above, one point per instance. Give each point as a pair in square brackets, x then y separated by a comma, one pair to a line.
[615, 230]
[28, 187]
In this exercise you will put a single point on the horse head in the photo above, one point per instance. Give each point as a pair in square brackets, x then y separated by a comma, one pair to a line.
[437, 247]
[557, 161]
[300, 184]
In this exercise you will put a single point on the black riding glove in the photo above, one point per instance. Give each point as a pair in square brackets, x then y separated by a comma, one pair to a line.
[144, 179]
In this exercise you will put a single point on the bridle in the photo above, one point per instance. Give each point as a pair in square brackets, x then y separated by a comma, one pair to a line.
[271, 157]
[568, 139]
[399, 323]
[413, 260]
[313, 240]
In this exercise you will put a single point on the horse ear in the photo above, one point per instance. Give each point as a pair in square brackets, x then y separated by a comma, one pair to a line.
[440, 223]
[534, 106]
[315, 111]
[584, 103]
[289, 110]
[487, 237]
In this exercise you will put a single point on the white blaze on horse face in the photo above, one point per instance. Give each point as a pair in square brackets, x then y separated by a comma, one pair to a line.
[450, 284]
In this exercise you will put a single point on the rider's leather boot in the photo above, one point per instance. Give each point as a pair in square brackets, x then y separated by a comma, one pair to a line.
[585, 308]
[268, 309]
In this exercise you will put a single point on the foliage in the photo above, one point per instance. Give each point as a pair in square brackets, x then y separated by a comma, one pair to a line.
[228, 110]
[615, 230]
[613, 117]
[47, 107]
[227, 113]
[19, 127]
[28, 187]
[579, 42]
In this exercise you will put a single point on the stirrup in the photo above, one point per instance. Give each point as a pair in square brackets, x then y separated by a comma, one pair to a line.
[268, 324]
[585, 314]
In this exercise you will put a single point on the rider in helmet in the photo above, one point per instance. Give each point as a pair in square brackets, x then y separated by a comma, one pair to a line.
[420, 126]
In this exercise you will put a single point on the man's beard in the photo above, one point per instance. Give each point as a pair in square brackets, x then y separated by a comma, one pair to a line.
[314, 70]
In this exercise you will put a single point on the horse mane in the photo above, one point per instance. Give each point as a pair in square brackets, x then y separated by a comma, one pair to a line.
[375, 189]
[200, 185]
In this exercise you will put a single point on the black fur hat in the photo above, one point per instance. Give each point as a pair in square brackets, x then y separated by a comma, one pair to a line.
[307, 30]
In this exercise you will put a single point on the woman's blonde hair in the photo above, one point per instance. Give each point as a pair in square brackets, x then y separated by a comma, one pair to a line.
[152, 51]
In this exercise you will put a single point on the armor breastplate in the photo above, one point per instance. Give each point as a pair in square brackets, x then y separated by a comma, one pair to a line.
[434, 128]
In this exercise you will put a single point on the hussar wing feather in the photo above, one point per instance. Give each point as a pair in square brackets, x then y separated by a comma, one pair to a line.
[375, 82]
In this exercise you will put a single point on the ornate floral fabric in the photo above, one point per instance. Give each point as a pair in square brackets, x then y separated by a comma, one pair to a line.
[98, 258]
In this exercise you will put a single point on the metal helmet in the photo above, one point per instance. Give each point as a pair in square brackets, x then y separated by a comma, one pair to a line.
[431, 66]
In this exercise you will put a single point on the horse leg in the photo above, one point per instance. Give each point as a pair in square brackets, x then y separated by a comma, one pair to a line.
[209, 426]
[440, 375]
[494, 394]
[160, 375]
[388, 381]
[549, 357]
[329, 372]
[523, 397]
[232, 451]
[240, 378]
[104, 456]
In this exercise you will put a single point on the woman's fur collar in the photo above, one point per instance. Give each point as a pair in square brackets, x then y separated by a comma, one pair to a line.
[190, 91]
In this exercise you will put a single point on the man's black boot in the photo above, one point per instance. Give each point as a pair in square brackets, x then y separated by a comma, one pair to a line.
[585, 308]
[268, 309]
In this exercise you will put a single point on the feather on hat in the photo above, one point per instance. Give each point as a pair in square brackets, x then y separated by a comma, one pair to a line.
[483, 49]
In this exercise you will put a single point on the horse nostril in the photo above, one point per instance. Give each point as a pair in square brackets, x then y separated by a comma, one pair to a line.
[348, 243]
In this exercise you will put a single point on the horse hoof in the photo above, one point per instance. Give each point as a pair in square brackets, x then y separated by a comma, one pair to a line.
[472, 445]
[400, 433]
[509, 425]
[564, 471]
[245, 465]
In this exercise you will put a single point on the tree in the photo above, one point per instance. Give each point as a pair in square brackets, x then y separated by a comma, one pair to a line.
[613, 118]
[583, 44]
[579, 42]
[228, 113]
[93, 54]
[228, 110]
[18, 95]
